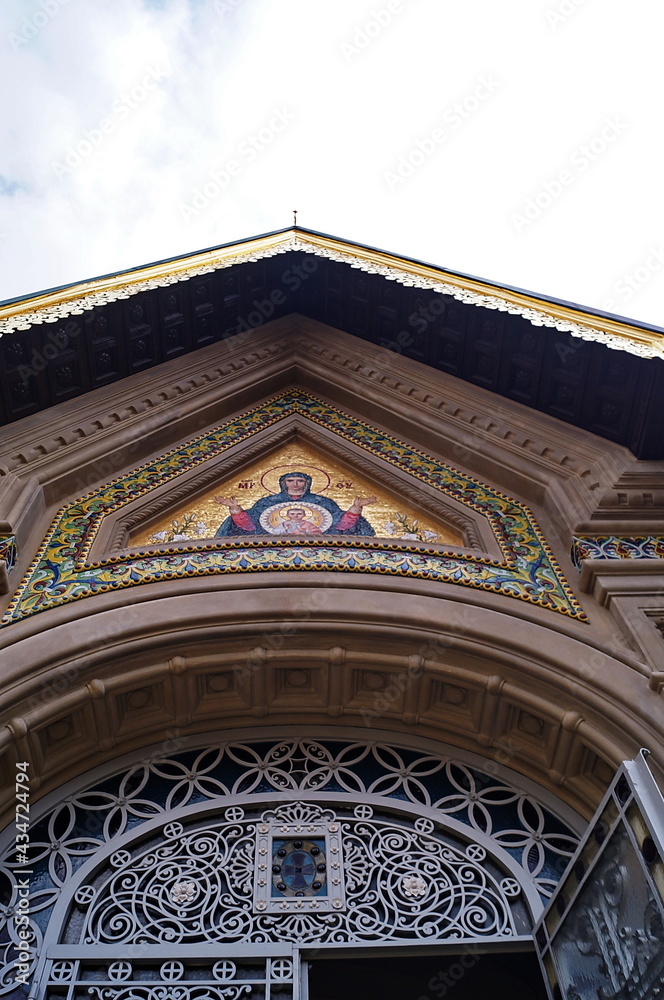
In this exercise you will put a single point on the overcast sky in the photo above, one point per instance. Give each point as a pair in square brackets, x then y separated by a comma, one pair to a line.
[519, 141]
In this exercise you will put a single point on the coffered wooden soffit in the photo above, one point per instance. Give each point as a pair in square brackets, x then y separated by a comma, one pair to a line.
[593, 371]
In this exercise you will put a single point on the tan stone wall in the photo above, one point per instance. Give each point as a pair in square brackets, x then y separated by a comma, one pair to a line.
[560, 701]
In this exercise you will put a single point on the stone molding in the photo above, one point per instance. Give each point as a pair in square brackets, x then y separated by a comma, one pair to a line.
[632, 590]
[61, 571]
[194, 382]
[454, 402]
[113, 536]
[49, 457]
[637, 495]
[564, 710]
[567, 701]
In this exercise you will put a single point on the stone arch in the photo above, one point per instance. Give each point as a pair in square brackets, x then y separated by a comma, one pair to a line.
[158, 856]
[537, 695]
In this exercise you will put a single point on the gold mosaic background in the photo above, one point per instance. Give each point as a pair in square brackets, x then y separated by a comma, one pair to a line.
[389, 516]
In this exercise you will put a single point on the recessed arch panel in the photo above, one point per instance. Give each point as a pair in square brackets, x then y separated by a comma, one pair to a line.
[178, 847]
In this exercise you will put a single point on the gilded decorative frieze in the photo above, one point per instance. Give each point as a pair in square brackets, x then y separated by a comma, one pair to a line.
[50, 307]
[64, 571]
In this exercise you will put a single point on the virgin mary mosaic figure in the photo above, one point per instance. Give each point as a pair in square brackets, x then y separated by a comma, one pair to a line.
[295, 510]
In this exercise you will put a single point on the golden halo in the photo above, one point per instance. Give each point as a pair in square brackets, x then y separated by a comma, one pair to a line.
[319, 477]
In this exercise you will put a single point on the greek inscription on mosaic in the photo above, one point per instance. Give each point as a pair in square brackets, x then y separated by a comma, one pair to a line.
[299, 492]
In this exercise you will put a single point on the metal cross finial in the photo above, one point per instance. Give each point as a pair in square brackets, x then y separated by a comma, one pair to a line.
[294, 218]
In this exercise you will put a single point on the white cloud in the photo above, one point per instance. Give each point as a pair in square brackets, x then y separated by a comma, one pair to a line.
[222, 68]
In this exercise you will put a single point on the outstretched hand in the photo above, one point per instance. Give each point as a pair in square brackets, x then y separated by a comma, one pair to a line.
[232, 504]
[360, 502]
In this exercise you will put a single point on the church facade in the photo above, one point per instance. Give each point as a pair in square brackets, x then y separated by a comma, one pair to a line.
[331, 634]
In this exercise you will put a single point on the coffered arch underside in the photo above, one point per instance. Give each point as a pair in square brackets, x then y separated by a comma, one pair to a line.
[189, 656]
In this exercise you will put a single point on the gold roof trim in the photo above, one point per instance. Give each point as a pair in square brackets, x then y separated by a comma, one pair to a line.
[51, 307]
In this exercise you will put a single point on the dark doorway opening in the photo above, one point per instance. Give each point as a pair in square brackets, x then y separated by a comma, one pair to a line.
[466, 975]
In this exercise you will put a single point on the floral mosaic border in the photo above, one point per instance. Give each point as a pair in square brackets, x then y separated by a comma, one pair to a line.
[61, 573]
[615, 547]
[8, 551]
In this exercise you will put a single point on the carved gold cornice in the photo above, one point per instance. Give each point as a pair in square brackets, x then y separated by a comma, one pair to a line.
[73, 300]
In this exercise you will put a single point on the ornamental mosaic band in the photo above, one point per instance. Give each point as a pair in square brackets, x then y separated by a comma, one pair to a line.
[278, 514]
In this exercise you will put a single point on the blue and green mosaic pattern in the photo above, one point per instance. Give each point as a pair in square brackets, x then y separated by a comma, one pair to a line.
[61, 573]
[616, 547]
[8, 551]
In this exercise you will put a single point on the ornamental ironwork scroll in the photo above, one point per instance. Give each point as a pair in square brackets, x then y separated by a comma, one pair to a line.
[430, 846]
[603, 933]
[384, 880]
[225, 979]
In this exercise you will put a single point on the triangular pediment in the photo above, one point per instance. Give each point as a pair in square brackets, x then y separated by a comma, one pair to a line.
[297, 489]
[120, 534]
